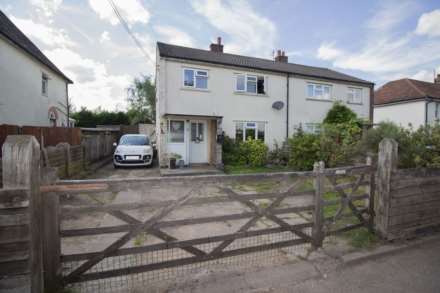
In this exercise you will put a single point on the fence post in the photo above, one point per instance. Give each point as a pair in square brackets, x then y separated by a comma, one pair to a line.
[387, 162]
[370, 189]
[21, 168]
[318, 215]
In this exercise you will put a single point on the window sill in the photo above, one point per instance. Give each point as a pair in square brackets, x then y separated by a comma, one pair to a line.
[353, 103]
[193, 89]
[320, 100]
[251, 94]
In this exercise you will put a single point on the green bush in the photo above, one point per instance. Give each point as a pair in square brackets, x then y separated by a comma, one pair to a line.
[279, 155]
[340, 114]
[231, 151]
[253, 153]
[303, 150]
[250, 153]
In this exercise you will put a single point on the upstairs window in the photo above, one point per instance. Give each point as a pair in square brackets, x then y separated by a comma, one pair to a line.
[249, 130]
[319, 91]
[44, 84]
[254, 84]
[195, 78]
[354, 95]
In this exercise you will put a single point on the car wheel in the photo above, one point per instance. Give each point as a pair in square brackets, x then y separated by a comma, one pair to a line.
[115, 166]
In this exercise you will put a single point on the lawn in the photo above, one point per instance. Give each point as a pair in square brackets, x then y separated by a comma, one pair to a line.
[231, 169]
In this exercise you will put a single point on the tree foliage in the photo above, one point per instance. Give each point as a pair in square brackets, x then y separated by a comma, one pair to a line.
[142, 100]
[340, 113]
[88, 118]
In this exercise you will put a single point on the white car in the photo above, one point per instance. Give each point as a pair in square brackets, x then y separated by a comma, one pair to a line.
[133, 150]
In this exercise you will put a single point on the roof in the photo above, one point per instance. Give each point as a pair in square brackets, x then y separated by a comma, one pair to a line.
[405, 90]
[186, 53]
[9, 30]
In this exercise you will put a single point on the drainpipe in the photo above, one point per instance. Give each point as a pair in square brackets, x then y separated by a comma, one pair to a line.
[287, 107]
[426, 111]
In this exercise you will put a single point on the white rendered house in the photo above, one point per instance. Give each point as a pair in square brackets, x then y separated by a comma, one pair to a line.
[408, 102]
[204, 93]
[33, 91]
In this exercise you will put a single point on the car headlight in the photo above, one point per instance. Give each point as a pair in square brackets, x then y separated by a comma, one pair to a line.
[117, 151]
[148, 151]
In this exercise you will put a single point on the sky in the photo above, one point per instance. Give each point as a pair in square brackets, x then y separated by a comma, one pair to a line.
[375, 40]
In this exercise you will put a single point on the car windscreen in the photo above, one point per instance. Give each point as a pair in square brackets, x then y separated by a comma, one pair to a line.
[134, 140]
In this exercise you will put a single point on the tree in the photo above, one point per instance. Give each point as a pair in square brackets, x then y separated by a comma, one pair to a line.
[142, 100]
[339, 114]
[87, 118]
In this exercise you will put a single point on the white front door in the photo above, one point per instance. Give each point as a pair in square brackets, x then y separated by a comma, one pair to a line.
[198, 146]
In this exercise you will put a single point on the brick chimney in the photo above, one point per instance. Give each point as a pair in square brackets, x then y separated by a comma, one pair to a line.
[217, 47]
[281, 57]
[437, 79]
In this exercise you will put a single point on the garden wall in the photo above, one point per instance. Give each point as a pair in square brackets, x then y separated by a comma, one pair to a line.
[408, 199]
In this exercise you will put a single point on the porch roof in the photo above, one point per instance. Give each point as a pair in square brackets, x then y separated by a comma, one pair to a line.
[192, 116]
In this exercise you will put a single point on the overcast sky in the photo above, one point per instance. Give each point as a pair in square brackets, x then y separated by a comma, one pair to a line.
[374, 40]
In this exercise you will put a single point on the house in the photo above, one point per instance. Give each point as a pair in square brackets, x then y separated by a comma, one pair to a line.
[33, 91]
[204, 93]
[408, 102]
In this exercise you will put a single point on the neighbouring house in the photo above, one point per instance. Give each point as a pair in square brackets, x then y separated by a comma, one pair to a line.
[204, 93]
[408, 102]
[33, 91]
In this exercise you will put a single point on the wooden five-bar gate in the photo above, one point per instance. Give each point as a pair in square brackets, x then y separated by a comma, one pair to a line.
[115, 235]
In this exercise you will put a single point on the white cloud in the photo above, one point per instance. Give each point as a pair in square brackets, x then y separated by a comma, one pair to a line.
[249, 32]
[175, 36]
[390, 13]
[132, 10]
[93, 86]
[105, 37]
[387, 53]
[426, 75]
[327, 51]
[429, 24]
[47, 7]
[48, 35]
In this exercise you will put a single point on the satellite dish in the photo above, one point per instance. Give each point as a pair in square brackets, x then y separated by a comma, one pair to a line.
[278, 105]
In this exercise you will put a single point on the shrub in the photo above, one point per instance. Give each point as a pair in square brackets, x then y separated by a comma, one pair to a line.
[253, 153]
[279, 155]
[340, 114]
[303, 150]
[231, 151]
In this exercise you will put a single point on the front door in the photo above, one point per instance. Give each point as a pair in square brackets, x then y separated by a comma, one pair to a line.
[198, 152]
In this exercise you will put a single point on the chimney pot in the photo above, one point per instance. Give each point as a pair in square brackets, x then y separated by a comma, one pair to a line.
[217, 47]
[281, 57]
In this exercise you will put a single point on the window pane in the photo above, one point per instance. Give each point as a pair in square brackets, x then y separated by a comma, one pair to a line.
[193, 131]
[250, 133]
[310, 91]
[239, 131]
[260, 85]
[251, 87]
[201, 82]
[261, 133]
[177, 131]
[251, 78]
[200, 133]
[240, 83]
[189, 77]
[326, 92]
[202, 73]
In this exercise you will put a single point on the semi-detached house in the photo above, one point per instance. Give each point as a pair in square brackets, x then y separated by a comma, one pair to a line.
[202, 94]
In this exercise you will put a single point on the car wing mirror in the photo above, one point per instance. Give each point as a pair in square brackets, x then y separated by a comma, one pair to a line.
[115, 144]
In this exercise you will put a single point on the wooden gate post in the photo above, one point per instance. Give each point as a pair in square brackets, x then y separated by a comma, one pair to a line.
[387, 162]
[371, 188]
[21, 169]
[318, 215]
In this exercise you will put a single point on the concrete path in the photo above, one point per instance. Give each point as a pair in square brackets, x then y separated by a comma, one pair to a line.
[412, 269]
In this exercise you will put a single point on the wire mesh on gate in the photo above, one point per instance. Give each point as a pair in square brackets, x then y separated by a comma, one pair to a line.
[160, 279]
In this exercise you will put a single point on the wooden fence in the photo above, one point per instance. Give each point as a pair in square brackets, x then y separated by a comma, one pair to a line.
[409, 199]
[46, 136]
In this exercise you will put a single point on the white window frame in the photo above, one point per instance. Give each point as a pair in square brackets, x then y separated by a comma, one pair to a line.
[246, 79]
[312, 127]
[196, 73]
[44, 84]
[352, 91]
[169, 131]
[255, 127]
[322, 88]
